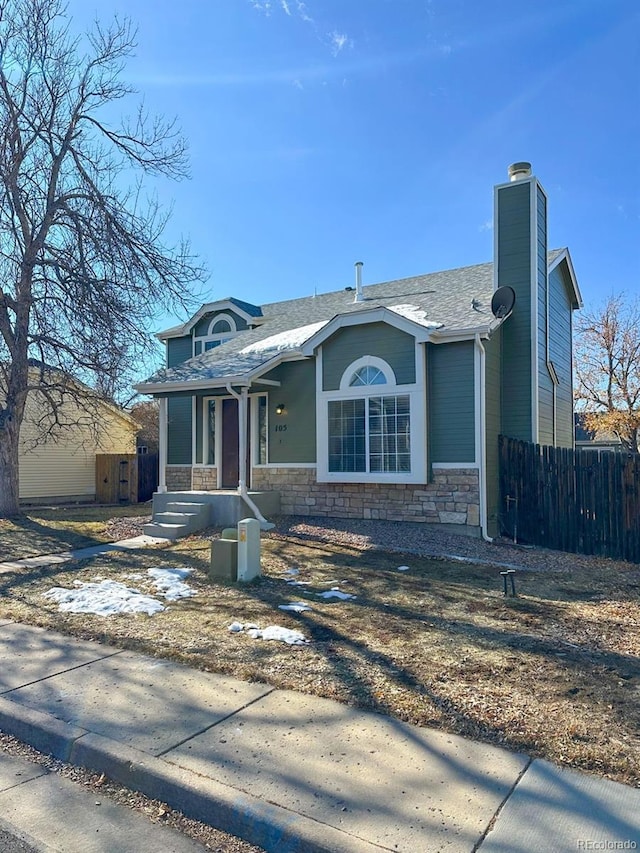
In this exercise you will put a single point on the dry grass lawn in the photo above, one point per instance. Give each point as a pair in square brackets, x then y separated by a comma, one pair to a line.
[554, 672]
[49, 530]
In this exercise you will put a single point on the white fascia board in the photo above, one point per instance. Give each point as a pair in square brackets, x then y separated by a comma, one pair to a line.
[361, 318]
[209, 307]
[446, 336]
[565, 256]
[220, 381]
[201, 385]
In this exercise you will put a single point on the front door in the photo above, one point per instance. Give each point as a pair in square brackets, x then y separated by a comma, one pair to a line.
[230, 445]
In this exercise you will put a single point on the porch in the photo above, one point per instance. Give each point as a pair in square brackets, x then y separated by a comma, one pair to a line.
[179, 513]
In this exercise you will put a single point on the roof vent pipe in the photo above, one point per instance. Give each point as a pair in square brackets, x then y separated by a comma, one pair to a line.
[518, 171]
[358, 297]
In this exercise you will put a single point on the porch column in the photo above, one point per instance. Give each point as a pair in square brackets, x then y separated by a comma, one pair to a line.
[162, 446]
[243, 405]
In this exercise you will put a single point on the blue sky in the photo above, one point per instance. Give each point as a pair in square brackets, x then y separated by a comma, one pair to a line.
[329, 131]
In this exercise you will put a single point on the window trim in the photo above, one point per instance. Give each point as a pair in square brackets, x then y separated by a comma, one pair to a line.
[220, 337]
[217, 442]
[367, 361]
[255, 433]
[417, 412]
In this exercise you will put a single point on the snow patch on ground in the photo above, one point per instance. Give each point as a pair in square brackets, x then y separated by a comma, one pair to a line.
[335, 593]
[403, 568]
[108, 597]
[296, 606]
[271, 632]
[104, 599]
[170, 583]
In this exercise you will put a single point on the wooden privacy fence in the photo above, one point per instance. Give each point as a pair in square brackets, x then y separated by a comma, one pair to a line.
[147, 476]
[126, 477]
[580, 501]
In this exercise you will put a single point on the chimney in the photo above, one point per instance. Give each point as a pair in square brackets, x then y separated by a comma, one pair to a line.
[520, 261]
[358, 297]
[518, 171]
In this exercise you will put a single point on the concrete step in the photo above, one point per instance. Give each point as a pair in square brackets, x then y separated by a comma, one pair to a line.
[171, 516]
[165, 531]
[188, 506]
[179, 518]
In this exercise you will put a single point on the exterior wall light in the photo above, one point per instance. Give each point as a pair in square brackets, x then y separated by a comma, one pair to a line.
[280, 409]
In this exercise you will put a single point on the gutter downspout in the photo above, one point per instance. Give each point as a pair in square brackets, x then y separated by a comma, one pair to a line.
[243, 399]
[482, 479]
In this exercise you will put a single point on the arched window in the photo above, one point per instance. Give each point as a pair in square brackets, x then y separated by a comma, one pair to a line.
[368, 376]
[221, 328]
[369, 425]
[366, 371]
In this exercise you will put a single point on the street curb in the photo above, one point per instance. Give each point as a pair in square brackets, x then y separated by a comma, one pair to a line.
[272, 827]
[44, 732]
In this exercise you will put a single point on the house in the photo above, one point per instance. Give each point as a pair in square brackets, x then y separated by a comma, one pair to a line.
[380, 401]
[61, 467]
[601, 439]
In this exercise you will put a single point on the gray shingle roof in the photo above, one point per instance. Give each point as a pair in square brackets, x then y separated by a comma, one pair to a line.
[453, 300]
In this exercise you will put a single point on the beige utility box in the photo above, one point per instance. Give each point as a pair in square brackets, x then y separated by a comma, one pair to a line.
[248, 549]
[236, 555]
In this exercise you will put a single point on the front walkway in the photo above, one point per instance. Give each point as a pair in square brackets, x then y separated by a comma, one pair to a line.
[79, 553]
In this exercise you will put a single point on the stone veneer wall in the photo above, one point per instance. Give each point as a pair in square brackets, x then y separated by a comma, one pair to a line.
[452, 498]
[205, 479]
[178, 478]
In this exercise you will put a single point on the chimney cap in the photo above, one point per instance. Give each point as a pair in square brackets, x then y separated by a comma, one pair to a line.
[520, 170]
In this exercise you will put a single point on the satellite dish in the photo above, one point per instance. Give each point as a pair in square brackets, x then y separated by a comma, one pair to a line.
[503, 301]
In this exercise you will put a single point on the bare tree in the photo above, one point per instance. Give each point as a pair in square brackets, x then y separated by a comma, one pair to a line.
[147, 414]
[607, 364]
[83, 265]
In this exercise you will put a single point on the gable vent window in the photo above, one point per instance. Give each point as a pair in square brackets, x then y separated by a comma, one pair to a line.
[368, 375]
[222, 328]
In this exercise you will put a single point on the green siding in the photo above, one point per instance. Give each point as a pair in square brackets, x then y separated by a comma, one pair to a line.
[560, 346]
[178, 350]
[451, 407]
[397, 348]
[545, 384]
[514, 269]
[202, 326]
[292, 436]
[492, 420]
[179, 431]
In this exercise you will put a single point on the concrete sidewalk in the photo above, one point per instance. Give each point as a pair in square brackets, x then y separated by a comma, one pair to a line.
[289, 772]
[141, 541]
[46, 812]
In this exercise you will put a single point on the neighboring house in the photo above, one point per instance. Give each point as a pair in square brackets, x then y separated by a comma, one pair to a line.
[601, 439]
[146, 415]
[62, 467]
[384, 401]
